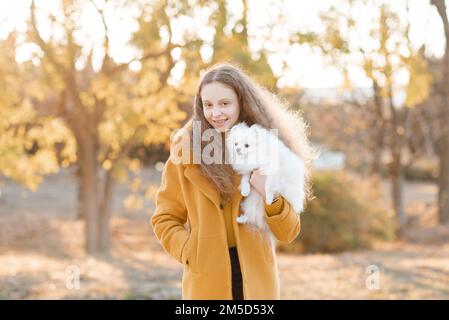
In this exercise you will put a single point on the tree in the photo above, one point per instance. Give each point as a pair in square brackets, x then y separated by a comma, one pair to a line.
[98, 108]
[442, 138]
[380, 53]
[111, 109]
[19, 131]
[235, 46]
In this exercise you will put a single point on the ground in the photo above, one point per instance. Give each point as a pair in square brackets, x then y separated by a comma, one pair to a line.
[41, 252]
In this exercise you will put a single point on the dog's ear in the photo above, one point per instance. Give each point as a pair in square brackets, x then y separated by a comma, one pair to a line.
[232, 131]
[244, 124]
[262, 134]
[258, 129]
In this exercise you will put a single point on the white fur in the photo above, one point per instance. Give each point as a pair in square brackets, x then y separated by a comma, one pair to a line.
[285, 172]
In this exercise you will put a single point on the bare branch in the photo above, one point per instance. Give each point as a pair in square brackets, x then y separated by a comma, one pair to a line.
[106, 58]
[43, 45]
[149, 55]
[126, 147]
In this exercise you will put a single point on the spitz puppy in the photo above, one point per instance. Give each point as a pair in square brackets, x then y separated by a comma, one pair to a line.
[255, 147]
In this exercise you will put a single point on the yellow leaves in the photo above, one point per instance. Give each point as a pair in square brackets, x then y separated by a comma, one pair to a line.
[45, 161]
[28, 151]
[145, 120]
[65, 163]
[133, 202]
[99, 87]
[18, 165]
[104, 87]
[139, 193]
[136, 184]
[337, 42]
[150, 194]
[68, 152]
[14, 111]
[87, 99]
[380, 46]
[48, 131]
[420, 81]
[36, 90]
[107, 164]
[120, 172]
[189, 83]
[108, 133]
[368, 67]
[149, 83]
[135, 165]
[32, 144]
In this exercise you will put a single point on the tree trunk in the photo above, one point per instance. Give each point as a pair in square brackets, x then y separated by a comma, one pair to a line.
[81, 195]
[443, 145]
[105, 211]
[97, 207]
[89, 189]
[397, 193]
[443, 181]
[376, 168]
[379, 124]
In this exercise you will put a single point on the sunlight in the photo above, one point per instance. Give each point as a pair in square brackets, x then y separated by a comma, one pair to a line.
[305, 68]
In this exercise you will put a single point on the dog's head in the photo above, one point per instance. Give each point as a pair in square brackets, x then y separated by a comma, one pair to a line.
[248, 146]
[242, 141]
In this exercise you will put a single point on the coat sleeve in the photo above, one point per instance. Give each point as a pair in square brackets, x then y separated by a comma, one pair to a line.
[275, 208]
[286, 225]
[170, 214]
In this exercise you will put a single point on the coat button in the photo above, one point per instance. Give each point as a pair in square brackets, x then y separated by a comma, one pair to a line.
[221, 206]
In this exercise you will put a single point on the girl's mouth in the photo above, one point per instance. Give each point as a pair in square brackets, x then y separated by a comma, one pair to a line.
[219, 123]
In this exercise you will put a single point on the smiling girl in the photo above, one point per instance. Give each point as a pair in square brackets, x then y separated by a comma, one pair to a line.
[197, 204]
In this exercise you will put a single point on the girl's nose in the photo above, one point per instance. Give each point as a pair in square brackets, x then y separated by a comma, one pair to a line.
[215, 112]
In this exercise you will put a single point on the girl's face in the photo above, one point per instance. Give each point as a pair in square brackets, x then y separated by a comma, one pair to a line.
[220, 105]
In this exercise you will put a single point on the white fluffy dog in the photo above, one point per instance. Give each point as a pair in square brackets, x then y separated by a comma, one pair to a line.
[258, 148]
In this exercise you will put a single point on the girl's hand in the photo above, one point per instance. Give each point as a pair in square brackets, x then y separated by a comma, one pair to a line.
[258, 180]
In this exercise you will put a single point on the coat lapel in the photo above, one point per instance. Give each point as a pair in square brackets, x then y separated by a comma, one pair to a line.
[193, 173]
[236, 197]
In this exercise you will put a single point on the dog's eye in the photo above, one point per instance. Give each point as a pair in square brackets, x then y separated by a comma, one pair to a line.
[246, 145]
[235, 143]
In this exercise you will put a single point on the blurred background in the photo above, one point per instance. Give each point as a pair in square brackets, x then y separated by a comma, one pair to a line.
[91, 92]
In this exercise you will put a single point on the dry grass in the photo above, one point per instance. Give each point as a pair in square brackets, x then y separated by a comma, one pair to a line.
[40, 238]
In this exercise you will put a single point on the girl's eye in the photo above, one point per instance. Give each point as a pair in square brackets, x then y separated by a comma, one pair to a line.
[246, 145]
[226, 103]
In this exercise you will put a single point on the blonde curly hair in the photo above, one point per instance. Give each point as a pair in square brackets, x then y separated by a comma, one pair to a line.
[257, 105]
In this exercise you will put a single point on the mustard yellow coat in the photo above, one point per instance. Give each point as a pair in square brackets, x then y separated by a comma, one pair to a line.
[190, 226]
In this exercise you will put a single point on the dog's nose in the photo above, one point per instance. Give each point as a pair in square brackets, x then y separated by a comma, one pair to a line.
[238, 149]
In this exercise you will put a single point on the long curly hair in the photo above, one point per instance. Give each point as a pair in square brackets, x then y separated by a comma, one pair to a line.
[257, 105]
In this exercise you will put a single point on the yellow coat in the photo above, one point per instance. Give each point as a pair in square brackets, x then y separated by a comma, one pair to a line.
[186, 196]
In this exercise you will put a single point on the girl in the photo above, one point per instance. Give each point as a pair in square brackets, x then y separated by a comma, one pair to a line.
[221, 258]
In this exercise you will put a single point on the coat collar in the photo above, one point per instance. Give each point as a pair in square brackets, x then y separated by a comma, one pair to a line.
[194, 174]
